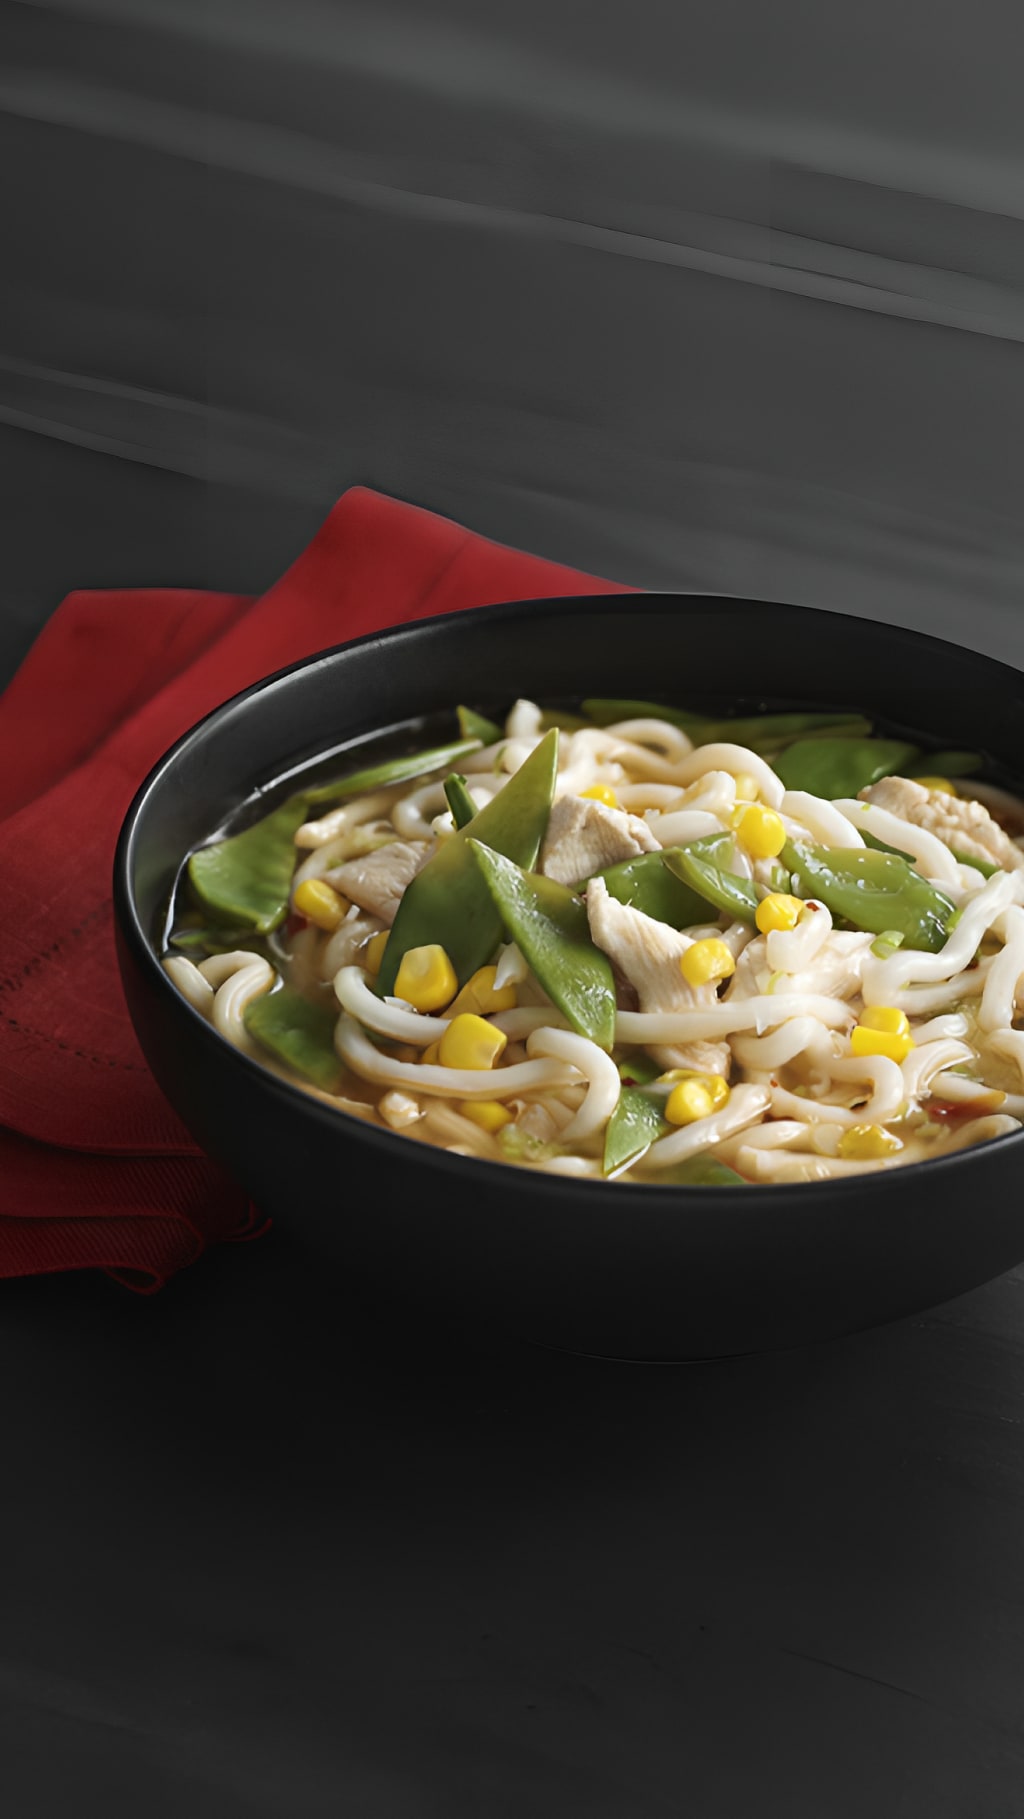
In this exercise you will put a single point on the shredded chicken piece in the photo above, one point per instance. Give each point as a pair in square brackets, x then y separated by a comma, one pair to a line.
[648, 952]
[377, 881]
[584, 836]
[965, 826]
[835, 971]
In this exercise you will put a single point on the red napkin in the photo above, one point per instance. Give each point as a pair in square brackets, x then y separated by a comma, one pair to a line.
[96, 1171]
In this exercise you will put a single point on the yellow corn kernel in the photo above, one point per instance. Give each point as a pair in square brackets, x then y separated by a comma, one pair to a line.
[867, 1143]
[746, 787]
[777, 911]
[471, 1042]
[689, 1101]
[480, 997]
[426, 978]
[600, 792]
[706, 961]
[489, 1114]
[716, 1085]
[886, 1017]
[373, 952]
[320, 904]
[432, 1054]
[882, 1030]
[761, 831]
[942, 784]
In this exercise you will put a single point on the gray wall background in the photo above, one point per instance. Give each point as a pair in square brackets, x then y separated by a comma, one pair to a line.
[728, 295]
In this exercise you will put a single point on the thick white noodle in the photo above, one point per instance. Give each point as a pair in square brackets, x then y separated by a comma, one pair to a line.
[237, 979]
[955, 1024]
[511, 968]
[922, 1064]
[882, 979]
[523, 720]
[596, 1067]
[648, 798]
[738, 760]
[682, 825]
[527, 1018]
[791, 950]
[1011, 1044]
[411, 817]
[826, 824]
[999, 998]
[746, 1104]
[354, 994]
[784, 1166]
[359, 1053]
[800, 1036]
[667, 740]
[351, 814]
[762, 1013]
[934, 859]
[190, 982]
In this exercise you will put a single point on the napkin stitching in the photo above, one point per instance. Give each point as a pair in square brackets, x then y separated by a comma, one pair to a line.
[84, 1054]
[33, 965]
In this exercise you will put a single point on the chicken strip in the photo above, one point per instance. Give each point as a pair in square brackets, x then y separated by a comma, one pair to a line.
[378, 881]
[965, 826]
[648, 952]
[584, 836]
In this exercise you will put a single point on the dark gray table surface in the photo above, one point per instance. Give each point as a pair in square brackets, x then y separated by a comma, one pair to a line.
[730, 300]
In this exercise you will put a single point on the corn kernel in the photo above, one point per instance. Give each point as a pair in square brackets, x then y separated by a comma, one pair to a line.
[320, 904]
[942, 784]
[761, 831]
[882, 1030]
[426, 978]
[432, 1054]
[471, 1042]
[480, 997]
[777, 911]
[373, 952]
[689, 1101]
[746, 787]
[706, 961]
[886, 1017]
[715, 1085]
[600, 792]
[867, 1143]
[489, 1114]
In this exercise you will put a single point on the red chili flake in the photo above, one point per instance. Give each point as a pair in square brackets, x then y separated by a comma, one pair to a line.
[945, 1111]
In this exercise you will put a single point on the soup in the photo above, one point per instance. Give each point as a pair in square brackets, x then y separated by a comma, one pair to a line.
[632, 943]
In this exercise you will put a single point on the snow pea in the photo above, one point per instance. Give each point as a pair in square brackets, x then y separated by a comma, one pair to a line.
[874, 891]
[459, 799]
[986, 867]
[477, 726]
[947, 764]
[298, 1033]
[247, 878]
[548, 924]
[759, 732]
[637, 1069]
[449, 902]
[394, 770]
[703, 1170]
[634, 1125]
[695, 863]
[204, 941]
[842, 767]
[646, 884]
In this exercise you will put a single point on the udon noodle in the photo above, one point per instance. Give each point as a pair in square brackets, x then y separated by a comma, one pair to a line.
[662, 957]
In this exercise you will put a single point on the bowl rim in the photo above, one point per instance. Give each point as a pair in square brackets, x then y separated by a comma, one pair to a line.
[637, 1195]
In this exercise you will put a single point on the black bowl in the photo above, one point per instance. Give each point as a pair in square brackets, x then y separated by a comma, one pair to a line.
[623, 1271]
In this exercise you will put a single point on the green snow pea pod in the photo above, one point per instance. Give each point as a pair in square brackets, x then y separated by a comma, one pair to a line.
[449, 901]
[298, 1033]
[695, 864]
[393, 770]
[647, 884]
[842, 767]
[634, 1125]
[247, 879]
[946, 764]
[874, 891]
[459, 799]
[477, 726]
[637, 1069]
[548, 924]
[204, 941]
[701, 1171]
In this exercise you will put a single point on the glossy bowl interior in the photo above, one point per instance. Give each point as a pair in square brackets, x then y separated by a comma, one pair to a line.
[616, 1270]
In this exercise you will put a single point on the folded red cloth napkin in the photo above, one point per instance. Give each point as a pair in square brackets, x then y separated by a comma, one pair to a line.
[96, 1171]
